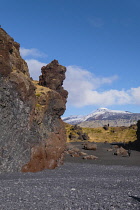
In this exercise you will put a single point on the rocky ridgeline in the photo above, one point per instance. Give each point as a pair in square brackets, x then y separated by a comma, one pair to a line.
[33, 136]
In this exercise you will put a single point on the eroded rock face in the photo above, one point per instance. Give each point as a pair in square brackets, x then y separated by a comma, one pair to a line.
[137, 142]
[138, 130]
[32, 133]
[10, 58]
[53, 76]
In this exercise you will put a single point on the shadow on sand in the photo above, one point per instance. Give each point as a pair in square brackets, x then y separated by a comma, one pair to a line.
[136, 198]
[129, 146]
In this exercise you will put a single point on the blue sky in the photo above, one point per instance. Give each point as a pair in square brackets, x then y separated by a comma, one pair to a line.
[97, 40]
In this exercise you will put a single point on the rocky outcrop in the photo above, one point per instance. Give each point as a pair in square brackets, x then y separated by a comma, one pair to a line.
[32, 133]
[138, 130]
[53, 76]
[76, 133]
[136, 144]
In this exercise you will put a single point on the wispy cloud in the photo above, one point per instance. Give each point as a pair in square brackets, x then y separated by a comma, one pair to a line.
[35, 68]
[31, 52]
[96, 22]
[83, 88]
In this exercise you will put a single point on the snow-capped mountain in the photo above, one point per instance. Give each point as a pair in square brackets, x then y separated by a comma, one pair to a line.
[74, 119]
[102, 114]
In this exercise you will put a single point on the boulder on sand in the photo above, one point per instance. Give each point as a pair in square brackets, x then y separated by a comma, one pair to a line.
[90, 157]
[90, 146]
[121, 151]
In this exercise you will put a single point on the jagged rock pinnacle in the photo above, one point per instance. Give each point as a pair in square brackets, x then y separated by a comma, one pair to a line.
[33, 135]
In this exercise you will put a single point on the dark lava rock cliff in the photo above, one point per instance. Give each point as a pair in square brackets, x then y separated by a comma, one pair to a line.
[32, 134]
[137, 143]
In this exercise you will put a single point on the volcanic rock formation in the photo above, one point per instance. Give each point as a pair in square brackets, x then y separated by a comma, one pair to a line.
[52, 77]
[137, 143]
[76, 133]
[138, 130]
[32, 133]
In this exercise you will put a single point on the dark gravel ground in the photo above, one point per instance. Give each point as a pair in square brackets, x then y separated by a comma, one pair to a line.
[77, 185]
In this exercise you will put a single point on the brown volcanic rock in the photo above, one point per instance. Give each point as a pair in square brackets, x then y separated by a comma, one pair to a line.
[33, 136]
[90, 157]
[121, 151]
[136, 144]
[76, 133]
[10, 58]
[14, 67]
[90, 146]
[138, 130]
[48, 154]
[53, 76]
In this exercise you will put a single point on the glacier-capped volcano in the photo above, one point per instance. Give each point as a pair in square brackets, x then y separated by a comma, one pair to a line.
[103, 114]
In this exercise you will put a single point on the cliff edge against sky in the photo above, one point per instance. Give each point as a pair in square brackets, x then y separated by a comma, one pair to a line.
[32, 133]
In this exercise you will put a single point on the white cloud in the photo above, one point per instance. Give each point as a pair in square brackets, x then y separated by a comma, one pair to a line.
[83, 78]
[35, 68]
[83, 87]
[83, 90]
[106, 98]
[31, 52]
[135, 92]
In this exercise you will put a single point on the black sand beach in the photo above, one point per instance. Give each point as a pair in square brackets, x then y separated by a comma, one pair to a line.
[105, 157]
[110, 182]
